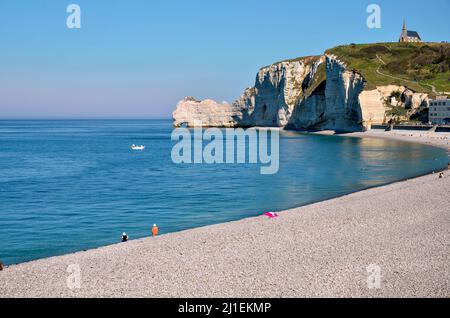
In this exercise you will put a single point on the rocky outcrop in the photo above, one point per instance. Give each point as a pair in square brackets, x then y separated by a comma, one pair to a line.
[310, 93]
[342, 103]
[373, 108]
[342, 111]
[279, 87]
[334, 104]
[407, 97]
[209, 113]
[415, 100]
[191, 113]
[245, 106]
[277, 90]
[309, 112]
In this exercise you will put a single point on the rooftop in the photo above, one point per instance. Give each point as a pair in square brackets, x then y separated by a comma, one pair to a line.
[413, 34]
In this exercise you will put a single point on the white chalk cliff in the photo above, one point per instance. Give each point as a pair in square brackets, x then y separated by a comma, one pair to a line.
[207, 113]
[310, 93]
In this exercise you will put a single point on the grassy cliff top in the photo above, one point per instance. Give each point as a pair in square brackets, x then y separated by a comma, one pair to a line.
[423, 67]
[305, 59]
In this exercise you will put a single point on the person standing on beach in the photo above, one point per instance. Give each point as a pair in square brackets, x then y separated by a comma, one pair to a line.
[155, 230]
[1, 266]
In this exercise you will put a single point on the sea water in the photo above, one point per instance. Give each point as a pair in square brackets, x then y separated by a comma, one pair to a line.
[67, 186]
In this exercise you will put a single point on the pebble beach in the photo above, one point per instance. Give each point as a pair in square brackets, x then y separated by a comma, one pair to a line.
[326, 249]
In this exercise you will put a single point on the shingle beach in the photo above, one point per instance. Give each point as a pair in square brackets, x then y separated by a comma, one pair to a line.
[326, 249]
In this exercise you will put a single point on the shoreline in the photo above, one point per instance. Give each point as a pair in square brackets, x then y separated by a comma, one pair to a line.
[441, 139]
[125, 262]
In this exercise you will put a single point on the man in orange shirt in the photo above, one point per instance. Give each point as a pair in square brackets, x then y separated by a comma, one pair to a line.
[154, 230]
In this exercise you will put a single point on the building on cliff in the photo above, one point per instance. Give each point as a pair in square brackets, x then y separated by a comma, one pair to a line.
[409, 36]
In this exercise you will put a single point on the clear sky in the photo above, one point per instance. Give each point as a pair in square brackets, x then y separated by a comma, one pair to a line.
[136, 58]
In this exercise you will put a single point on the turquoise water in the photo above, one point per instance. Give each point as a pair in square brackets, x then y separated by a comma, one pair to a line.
[71, 185]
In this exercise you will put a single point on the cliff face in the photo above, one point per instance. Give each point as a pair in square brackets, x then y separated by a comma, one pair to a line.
[278, 89]
[271, 102]
[334, 103]
[343, 88]
[342, 102]
[208, 113]
[310, 93]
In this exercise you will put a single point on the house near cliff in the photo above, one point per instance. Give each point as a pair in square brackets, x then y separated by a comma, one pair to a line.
[409, 36]
[439, 111]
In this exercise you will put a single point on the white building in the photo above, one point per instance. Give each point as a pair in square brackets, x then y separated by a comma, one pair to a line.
[439, 111]
[394, 101]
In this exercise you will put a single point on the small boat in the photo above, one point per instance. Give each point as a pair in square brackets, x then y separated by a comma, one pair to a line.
[136, 147]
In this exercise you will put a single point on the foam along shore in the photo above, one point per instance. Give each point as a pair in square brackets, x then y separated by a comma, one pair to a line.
[326, 249]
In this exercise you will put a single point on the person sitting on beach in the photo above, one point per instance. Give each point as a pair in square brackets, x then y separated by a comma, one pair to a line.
[124, 237]
[154, 230]
[1, 266]
[441, 175]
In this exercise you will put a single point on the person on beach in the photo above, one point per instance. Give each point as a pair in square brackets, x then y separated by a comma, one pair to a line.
[448, 166]
[1, 266]
[441, 175]
[124, 237]
[154, 230]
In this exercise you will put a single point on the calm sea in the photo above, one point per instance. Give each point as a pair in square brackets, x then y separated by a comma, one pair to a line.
[67, 186]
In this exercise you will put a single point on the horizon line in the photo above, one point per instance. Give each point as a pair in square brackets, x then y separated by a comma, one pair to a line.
[84, 118]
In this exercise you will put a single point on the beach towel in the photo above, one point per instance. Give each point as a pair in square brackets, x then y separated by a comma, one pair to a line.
[271, 214]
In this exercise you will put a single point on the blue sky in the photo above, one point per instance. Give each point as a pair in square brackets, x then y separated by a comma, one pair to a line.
[138, 58]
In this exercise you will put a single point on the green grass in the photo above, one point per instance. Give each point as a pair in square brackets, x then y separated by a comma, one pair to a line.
[441, 82]
[317, 79]
[397, 111]
[306, 59]
[416, 64]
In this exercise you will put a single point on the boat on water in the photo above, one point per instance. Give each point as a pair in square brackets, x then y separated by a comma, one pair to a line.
[136, 147]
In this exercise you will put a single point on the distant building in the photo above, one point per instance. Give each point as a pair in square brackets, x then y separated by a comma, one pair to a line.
[394, 101]
[409, 36]
[439, 111]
